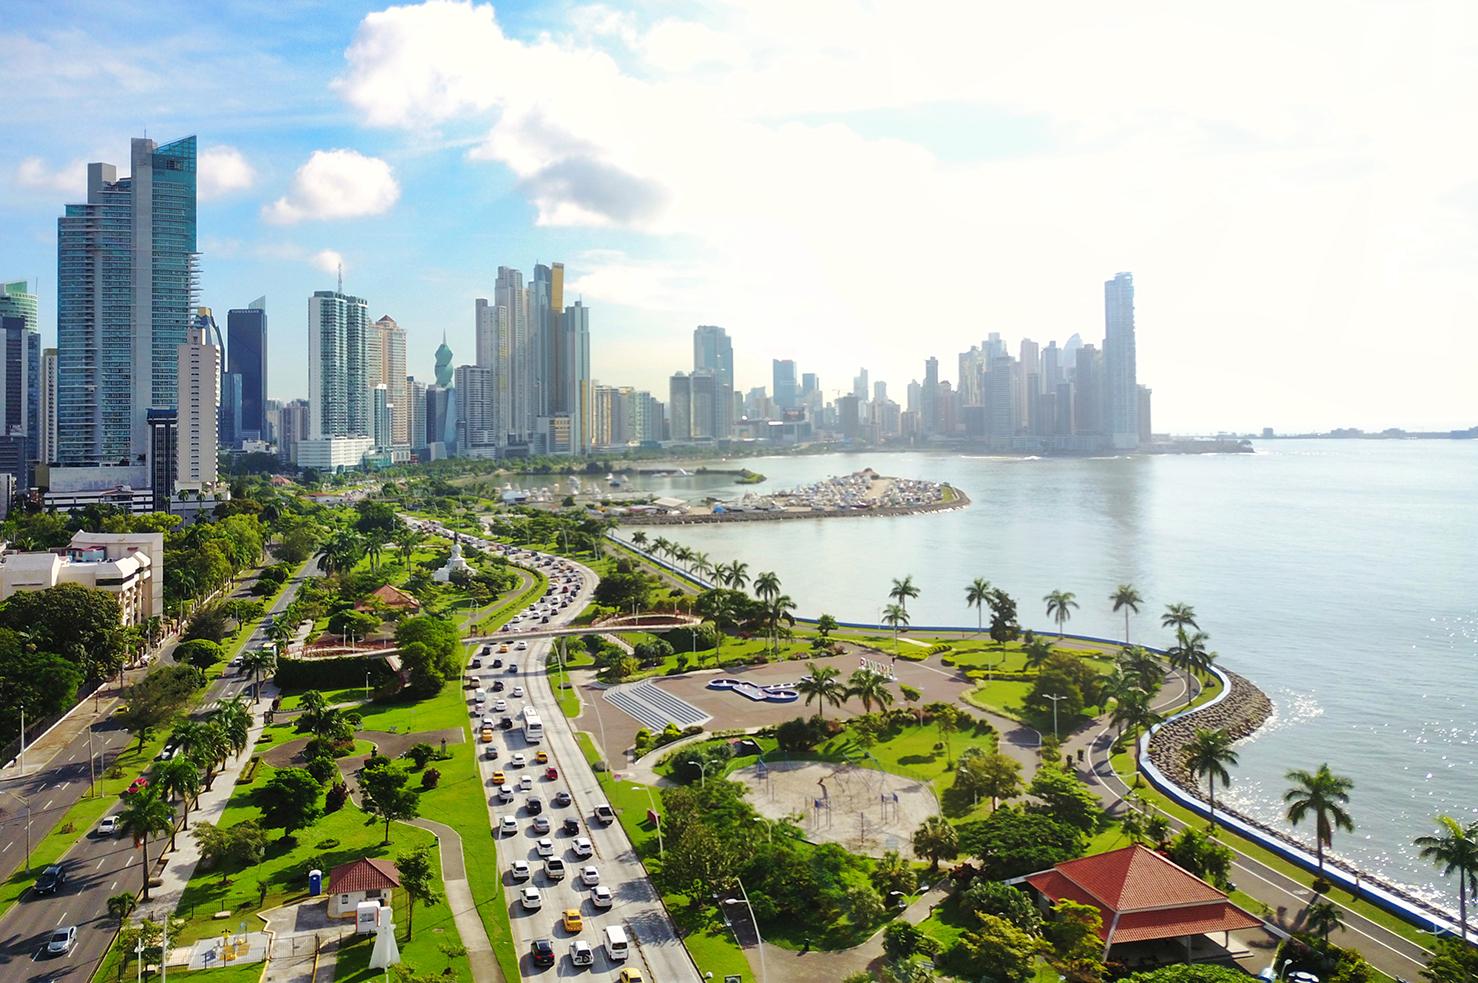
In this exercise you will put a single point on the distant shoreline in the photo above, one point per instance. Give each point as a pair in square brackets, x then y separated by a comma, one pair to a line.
[959, 500]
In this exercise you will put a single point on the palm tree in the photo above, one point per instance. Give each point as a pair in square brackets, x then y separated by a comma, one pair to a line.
[1322, 917]
[1455, 848]
[178, 777]
[341, 552]
[639, 538]
[1059, 607]
[1324, 794]
[1208, 753]
[374, 545]
[1134, 711]
[977, 596]
[825, 625]
[1038, 650]
[683, 555]
[193, 739]
[1126, 597]
[660, 546]
[902, 591]
[145, 815]
[937, 840]
[823, 685]
[257, 662]
[870, 688]
[1189, 654]
[778, 612]
[1179, 616]
[1138, 664]
[235, 719]
[702, 565]
[895, 615]
[408, 539]
[766, 585]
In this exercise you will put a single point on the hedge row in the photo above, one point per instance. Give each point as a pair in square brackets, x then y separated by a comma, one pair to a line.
[336, 673]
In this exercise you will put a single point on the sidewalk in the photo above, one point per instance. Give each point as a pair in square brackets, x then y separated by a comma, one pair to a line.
[464, 907]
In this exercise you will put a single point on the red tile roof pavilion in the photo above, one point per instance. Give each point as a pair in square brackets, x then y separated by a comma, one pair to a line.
[1142, 896]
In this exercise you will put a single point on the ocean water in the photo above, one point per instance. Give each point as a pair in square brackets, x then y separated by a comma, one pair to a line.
[1340, 576]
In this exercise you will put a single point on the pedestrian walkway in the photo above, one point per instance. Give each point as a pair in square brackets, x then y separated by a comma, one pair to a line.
[464, 907]
[654, 707]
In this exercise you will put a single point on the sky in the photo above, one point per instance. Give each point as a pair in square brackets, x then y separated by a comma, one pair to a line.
[848, 184]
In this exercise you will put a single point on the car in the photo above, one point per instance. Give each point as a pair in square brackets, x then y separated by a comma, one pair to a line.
[554, 869]
[541, 952]
[51, 880]
[500, 706]
[582, 847]
[526, 783]
[534, 805]
[551, 773]
[506, 723]
[517, 760]
[513, 666]
[572, 827]
[581, 954]
[507, 826]
[572, 920]
[505, 793]
[561, 799]
[504, 650]
[605, 814]
[541, 757]
[499, 778]
[531, 899]
[519, 870]
[517, 692]
[544, 620]
[108, 827]
[629, 975]
[600, 896]
[137, 785]
[541, 824]
[589, 875]
[486, 735]
[544, 848]
[492, 752]
[522, 646]
[497, 686]
[61, 941]
[505, 628]
[476, 663]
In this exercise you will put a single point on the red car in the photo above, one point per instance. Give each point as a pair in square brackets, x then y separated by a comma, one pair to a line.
[551, 773]
[138, 785]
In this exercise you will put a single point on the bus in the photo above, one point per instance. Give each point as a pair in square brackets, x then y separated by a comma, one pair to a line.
[533, 727]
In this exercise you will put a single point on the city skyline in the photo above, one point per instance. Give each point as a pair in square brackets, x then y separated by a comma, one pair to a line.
[1284, 216]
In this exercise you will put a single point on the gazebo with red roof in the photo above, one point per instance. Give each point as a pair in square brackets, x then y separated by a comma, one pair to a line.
[1142, 896]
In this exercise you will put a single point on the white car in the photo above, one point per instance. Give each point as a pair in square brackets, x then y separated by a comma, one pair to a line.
[541, 824]
[519, 870]
[545, 848]
[507, 826]
[590, 875]
[522, 646]
[581, 954]
[600, 896]
[61, 941]
[505, 793]
[531, 899]
[582, 847]
[526, 783]
[108, 827]
[500, 706]
[517, 692]
[517, 760]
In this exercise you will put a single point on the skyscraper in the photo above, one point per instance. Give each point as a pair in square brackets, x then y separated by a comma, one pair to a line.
[680, 408]
[198, 364]
[20, 382]
[46, 450]
[509, 294]
[575, 381]
[1121, 390]
[495, 353]
[127, 278]
[389, 370]
[713, 351]
[340, 417]
[474, 408]
[929, 397]
[784, 390]
[246, 358]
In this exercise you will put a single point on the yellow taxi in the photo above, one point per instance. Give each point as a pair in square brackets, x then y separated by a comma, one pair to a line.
[487, 735]
[572, 920]
[503, 649]
[542, 758]
[498, 778]
[629, 975]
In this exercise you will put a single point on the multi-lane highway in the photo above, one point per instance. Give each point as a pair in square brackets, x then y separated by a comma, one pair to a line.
[97, 867]
[654, 949]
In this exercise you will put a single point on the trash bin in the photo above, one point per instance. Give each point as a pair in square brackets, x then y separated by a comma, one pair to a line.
[315, 883]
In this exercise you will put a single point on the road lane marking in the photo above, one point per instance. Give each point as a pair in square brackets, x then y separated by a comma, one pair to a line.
[48, 804]
[61, 919]
[100, 863]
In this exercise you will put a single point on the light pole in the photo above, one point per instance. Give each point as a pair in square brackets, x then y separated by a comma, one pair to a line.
[759, 940]
[366, 687]
[91, 771]
[1054, 698]
[661, 851]
[702, 771]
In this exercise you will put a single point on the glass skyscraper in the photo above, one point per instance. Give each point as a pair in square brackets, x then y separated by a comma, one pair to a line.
[127, 280]
[1121, 390]
[246, 358]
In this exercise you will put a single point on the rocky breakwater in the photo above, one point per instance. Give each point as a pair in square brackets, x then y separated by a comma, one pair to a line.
[1245, 709]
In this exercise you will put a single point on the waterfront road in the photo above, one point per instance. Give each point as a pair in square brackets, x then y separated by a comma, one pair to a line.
[97, 868]
[655, 948]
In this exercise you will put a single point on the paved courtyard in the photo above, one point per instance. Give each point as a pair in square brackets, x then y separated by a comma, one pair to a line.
[841, 803]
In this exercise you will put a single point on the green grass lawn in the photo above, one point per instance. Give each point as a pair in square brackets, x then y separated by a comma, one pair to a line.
[1002, 696]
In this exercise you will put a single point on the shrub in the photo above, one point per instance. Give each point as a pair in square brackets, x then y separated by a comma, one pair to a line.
[420, 754]
[801, 733]
[430, 778]
[202, 653]
[338, 794]
[322, 768]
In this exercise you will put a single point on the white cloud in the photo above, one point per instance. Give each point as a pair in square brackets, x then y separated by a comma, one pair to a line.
[34, 174]
[336, 184]
[221, 171]
[328, 260]
[1288, 191]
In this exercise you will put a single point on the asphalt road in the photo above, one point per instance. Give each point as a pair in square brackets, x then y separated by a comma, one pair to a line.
[97, 868]
[655, 948]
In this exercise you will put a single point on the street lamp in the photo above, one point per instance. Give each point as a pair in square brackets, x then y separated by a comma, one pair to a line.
[1054, 698]
[661, 852]
[366, 686]
[702, 771]
[759, 940]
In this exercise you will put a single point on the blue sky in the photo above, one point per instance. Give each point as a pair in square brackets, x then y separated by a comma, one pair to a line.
[842, 183]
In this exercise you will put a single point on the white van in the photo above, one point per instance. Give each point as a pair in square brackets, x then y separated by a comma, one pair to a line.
[616, 945]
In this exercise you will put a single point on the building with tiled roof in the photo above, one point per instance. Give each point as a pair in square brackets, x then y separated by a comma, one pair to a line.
[365, 879]
[1142, 896]
[391, 597]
